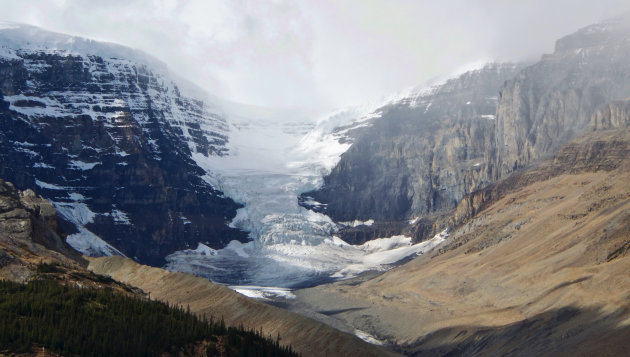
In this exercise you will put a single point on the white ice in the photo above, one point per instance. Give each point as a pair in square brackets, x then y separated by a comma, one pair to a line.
[357, 223]
[271, 162]
[367, 337]
[274, 156]
[263, 292]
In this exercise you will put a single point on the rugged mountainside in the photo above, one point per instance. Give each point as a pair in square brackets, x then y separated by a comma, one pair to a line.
[537, 266]
[553, 101]
[421, 156]
[613, 115]
[30, 234]
[107, 136]
[55, 309]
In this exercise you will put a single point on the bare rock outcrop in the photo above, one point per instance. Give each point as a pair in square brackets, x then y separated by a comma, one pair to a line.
[107, 135]
[552, 101]
[418, 158]
[421, 156]
[30, 234]
[614, 115]
[537, 267]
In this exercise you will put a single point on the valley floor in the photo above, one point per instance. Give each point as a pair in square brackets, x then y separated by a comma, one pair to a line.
[543, 270]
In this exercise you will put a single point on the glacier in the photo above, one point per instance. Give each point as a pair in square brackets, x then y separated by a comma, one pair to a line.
[271, 157]
[271, 161]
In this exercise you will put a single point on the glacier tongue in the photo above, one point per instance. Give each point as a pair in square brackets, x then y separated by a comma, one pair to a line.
[270, 164]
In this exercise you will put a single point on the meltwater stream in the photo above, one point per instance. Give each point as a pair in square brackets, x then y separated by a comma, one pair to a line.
[270, 164]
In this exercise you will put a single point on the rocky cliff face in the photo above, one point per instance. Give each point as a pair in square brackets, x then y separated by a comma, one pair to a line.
[551, 102]
[420, 155]
[104, 133]
[29, 233]
[599, 151]
[539, 269]
[614, 115]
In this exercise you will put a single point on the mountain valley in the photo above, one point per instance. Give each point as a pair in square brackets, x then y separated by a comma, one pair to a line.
[485, 215]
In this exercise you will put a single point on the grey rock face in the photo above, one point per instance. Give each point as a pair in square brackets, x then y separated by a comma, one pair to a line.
[111, 142]
[420, 156]
[551, 102]
[27, 219]
[614, 115]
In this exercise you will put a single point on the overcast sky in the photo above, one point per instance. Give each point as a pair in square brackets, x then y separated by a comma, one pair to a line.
[318, 54]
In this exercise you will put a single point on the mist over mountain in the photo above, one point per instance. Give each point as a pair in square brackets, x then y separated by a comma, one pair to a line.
[103, 132]
[424, 154]
[481, 213]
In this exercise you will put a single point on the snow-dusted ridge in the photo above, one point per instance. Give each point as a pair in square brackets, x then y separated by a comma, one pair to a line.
[271, 157]
[135, 98]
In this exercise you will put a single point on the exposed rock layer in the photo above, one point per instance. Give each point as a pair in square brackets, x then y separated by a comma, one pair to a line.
[552, 101]
[30, 234]
[422, 155]
[111, 141]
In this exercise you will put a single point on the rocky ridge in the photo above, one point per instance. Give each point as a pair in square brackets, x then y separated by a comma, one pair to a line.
[106, 134]
[30, 234]
[537, 266]
[551, 102]
[409, 169]
[304, 335]
[417, 158]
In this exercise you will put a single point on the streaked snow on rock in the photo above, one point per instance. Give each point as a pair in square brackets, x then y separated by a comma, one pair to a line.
[271, 158]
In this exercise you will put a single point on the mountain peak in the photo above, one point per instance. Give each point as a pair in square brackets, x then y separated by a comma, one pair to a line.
[616, 29]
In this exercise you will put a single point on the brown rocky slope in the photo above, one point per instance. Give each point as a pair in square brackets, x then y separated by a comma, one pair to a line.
[538, 266]
[304, 335]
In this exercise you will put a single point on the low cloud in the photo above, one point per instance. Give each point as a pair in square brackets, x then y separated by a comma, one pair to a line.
[318, 54]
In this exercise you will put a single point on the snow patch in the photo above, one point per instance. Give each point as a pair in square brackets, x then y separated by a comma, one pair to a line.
[76, 212]
[238, 248]
[357, 223]
[42, 165]
[201, 249]
[90, 244]
[84, 166]
[367, 337]
[263, 292]
[49, 186]
[185, 220]
[84, 241]
[118, 216]
[383, 252]
[77, 197]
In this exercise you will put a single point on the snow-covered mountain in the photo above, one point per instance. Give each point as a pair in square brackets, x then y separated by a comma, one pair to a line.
[273, 159]
[141, 163]
[136, 161]
[112, 138]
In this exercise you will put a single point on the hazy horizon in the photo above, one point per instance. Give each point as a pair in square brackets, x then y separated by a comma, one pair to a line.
[318, 55]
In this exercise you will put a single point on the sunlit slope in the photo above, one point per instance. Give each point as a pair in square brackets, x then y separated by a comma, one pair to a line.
[542, 268]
